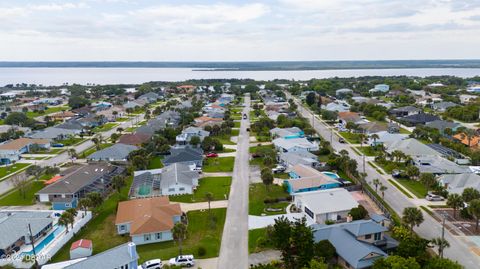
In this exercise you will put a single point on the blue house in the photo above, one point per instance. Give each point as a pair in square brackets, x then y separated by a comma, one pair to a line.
[304, 178]
[287, 133]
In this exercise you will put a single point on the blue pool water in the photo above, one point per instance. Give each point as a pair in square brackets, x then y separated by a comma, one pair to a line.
[40, 245]
[330, 174]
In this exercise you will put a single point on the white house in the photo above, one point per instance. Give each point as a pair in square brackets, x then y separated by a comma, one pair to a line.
[380, 88]
[294, 144]
[323, 205]
[188, 133]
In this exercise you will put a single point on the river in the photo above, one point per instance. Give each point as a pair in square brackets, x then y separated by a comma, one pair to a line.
[61, 76]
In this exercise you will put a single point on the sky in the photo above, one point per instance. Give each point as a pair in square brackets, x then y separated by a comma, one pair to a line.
[270, 30]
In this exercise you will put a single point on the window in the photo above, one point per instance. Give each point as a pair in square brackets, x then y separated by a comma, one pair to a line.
[181, 189]
[122, 227]
[146, 237]
[158, 236]
[68, 205]
[378, 236]
[171, 189]
[309, 212]
[368, 236]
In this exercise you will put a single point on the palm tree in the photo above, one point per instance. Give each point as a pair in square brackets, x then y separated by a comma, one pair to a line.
[343, 152]
[98, 140]
[454, 201]
[362, 137]
[474, 210]
[374, 137]
[73, 213]
[65, 219]
[84, 204]
[441, 243]
[209, 197]
[73, 154]
[383, 188]
[376, 182]
[412, 216]
[118, 182]
[179, 232]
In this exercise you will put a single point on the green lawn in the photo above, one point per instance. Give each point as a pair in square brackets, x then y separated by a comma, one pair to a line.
[121, 119]
[155, 162]
[281, 175]
[71, 141]
[218, 186]
[415, 187]
[367, 150]
[235, 132]
[51, 151]
[222, 164]
[258, 193]
[397, 185]
[236, 124]
[49, 110]
[14, 198]
[254, 148]
[94, 149]
[258, 240]
[389, 166]
[106, 127]
[351, 137]
[130, 129]
[201, 233]
[7, 170]
[225, 139]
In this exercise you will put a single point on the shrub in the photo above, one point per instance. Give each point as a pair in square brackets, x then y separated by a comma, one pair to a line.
[201, 251]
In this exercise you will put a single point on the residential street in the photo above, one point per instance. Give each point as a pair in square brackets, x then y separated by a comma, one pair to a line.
[234, 248]
[429, 229]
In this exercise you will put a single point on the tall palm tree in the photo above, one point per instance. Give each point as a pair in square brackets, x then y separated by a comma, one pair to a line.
[383, 188]
[441, 243]
[179, 232]
[455, 201]
[412, 216]
[65, 219]
[374, 137]
[72, 153]
[72, 214]
[118, 182]
[84, 204]
[362, 137]
[474, 210]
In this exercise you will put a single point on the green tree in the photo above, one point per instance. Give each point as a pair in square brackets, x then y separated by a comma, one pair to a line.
[412, 216]
[114, 137]
[441, 243]
[310, 99]
[195, 140]
[35, 171]
[118, 182]
[376, 183]
[358, 213]
[96, 199]
[72, 153]
[474, 210]
[315, 264]
[455, 201]
[439, 263]
[267, 177]
[396, 262]
[209, 197]
[412, 172]
[470, 194]
[84, 204]
[64, 220]
[428, 180]
[179, 233]
[324, 249]
[383, 188]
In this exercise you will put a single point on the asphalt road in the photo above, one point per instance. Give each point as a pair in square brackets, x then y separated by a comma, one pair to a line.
[430, 228]
[6, 185]
[234, 248]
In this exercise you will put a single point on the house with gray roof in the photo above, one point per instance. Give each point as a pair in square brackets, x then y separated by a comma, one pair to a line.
[168, 118]
[84, 179]
[456, 183]
[122, 256]
[14, 230]
[385, 137]
[441, 125]
[338, 106]
[149, 97]
[173, 179]
[71, 125]
[185, 155]
[420, 118]
[358, 243]
[116, 153]
[438, 165]
[443, 106]
[189, 132]
[290, 159]
[410, 147]
[404, 111]
[55, 133]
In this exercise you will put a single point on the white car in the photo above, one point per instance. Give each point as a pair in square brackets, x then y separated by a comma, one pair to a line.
[151, 264]
[434, 197]
[183, 260]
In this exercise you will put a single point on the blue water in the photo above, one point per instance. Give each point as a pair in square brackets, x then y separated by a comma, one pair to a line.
[330, 174]
[40, 245]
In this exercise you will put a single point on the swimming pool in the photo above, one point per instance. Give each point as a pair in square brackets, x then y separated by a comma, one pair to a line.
[331, 174]
[49, 238]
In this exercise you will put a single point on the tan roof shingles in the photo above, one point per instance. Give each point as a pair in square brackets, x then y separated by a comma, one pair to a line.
[22, 142]
[147, 215]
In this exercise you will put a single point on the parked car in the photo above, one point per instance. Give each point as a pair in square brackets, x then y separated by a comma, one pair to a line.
[396, 173]
[434, 197]
[183, 260]
[278, 169]
[198, 169]
[212, 155]
[152, 264]
[58, 145]
[341, 140]
[244, 116]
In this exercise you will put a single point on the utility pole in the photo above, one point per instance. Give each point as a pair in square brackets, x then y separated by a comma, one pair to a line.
[33, 246]
[363, 163]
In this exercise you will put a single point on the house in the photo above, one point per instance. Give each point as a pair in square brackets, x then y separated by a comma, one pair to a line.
[404, 111]
[14, 229]
[83, 111]
[421, 118]
[65, 192]
[188, 133]
[443, 106]
[456, 183]
[72, 125]
[115, 153]
[136, 139]
[380, 88]
[145, 130]
[62, 115]
[325, 205]
[289, 159]
[343, 92]
[54, 133]
[149, 97]
[372, 127]
[173, 179]
[186, 155]
[123, 256]
[338, 106]
[467, 98]
[12, 149]
[293, 132]
[294, 144]
[410, 147]
[207, 121]
[438, 165]
[385, 137]
[81, 248]
[358, 243]
[442, 125]
[148, 220]
[306, 179]
[132, 104]
[4, 128]
[471, 142]
[216, 114]
[353, 117]
[48, 101]
[168, 118]
[92, 121]
[101, 105]
[113, 113]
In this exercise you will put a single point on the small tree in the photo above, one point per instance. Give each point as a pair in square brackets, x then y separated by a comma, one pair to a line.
[209, 197]
[470, 194]
[72, 153]
[412, 172]
[84, 204]
[63, 221]
[114, 137]
[73, 213]
[179, 232]
[358, 213]
[20, 182]
[95, 198]
[428, 180]
[474, 210]
[412, 216]
[35, 171]
[267, 177]
[118, 182]
[195, 140]
[383, 188]
[441, 243]
[454, 201]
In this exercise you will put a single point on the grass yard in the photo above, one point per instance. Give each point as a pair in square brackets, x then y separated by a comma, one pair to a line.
[200, 234]
[236, 124]
[14, 198]
[368, 150]
[49, 110]
[281, 175]
[94, 149]
[415, 187]
[254, 148]
[351, 137]
[51, 151]
[10, 169]
[155, 162]
[397, 185]
[218, 186]
[389, 166]
[121, 119]
[106, 127]
[222, 164]
[225, 139]
[130, 129]
[71, 141]
[258, 240]
[258, 193]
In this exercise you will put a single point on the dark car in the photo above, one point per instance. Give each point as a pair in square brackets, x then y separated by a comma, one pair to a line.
[244, 116]
[341, 140]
